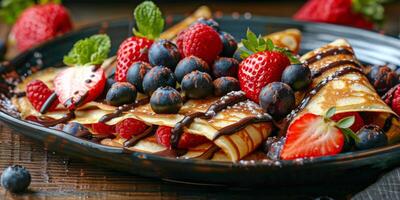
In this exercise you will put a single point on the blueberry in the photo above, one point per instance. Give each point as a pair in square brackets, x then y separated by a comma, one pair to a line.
[225, 67]
[15, 178]
[121, 93]
[74, 128]
[229, 44]
[136, 74]
[277, 99]
[209, 22]
[107, 86]
[297, 76]
[158, 77]
[164, 53]
[197, 85]
[166, 100]
[382, 78]
[3, 49]
[371, 136]
[188, 65]
[237, 53]
[224, 85]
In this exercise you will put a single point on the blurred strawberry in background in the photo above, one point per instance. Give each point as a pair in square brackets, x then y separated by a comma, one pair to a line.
[34, 23]
[358, 13]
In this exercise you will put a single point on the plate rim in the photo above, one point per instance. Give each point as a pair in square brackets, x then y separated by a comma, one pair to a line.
[306, 163]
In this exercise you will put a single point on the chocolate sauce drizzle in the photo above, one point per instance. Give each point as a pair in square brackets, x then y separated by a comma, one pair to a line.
[124, 108]
[47, 104]
[52, 122]
[317, 88]
[209, 153]
[330, 52]
[333, 65]
[151, 130]
[225, 101]
[233, 128]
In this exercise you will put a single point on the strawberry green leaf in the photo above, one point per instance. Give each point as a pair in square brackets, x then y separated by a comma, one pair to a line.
[253, 45]
[89, 51]
[49, 1]
[371, 9]
[349, 133]
[346, 122]
[11, 9]
[331, 111]
[149, 20]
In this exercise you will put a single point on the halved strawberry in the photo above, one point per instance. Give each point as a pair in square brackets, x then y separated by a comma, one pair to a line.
[37, 93]
[78, 85]
[312, 136]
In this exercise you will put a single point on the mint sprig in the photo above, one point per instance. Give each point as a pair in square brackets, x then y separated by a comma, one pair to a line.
[11, 9]
[371, 9]
[149, 20]
[253, 44]
[89, 51]
[343, 124]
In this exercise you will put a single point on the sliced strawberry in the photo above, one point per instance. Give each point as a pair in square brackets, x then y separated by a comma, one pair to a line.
[102, 128]
[358, 122]
[312, 136]
[129, 127]
[76, 86]
[37, 93]
[187, 140]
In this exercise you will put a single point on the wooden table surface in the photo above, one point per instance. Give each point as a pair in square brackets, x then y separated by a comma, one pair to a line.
[55, 176]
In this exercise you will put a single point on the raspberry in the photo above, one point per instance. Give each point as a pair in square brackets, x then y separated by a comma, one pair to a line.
[202, 41]
[102, 128]
[163, 135]
[396, 101]
[129, 127]
[37, 93]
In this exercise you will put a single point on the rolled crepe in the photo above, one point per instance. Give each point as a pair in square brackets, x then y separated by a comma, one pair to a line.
[350, 92]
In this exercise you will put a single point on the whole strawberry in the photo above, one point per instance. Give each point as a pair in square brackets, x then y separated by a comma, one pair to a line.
[200, 40]
[40, 23]
[264, 64]
[357, 13]
[150, 23]
[37, 93]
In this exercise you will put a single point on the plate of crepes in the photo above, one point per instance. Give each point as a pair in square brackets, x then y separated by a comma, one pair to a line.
[205, 99]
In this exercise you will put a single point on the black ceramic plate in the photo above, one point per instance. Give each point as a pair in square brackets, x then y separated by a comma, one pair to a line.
[370, 47]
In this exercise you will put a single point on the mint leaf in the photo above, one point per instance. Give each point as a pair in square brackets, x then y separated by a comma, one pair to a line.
[89, 51]
[49, 1]
[149, 20]
[346, 122]
[331, 111]
[11, 9]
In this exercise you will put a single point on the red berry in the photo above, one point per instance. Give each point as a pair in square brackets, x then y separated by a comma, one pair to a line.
[396, 101]
[259, 69]
[40, 23]
[200, 40]
[129, 127]
[102, 128]
[75, 83]
[332, 11]
[312, 136]
[131, 50]
[37, 93]
[358, 123]
[163, 135]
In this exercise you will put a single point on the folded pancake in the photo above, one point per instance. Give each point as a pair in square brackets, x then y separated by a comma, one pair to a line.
[234, 146]
[339, 81]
